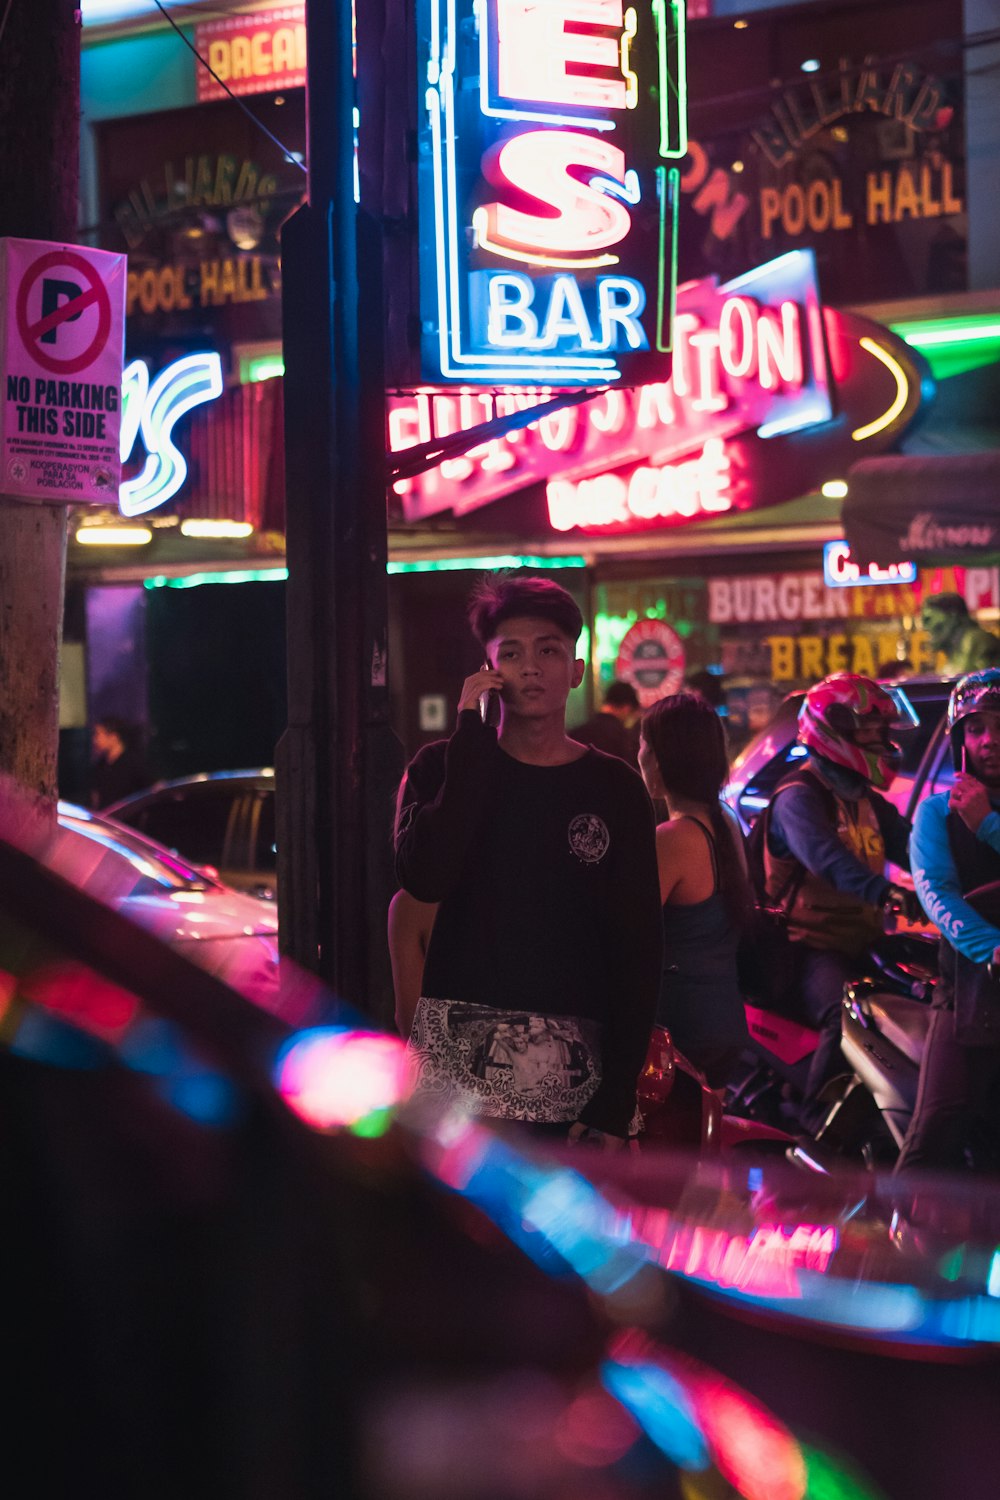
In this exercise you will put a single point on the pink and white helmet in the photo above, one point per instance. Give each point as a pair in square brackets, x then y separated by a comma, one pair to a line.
[833, 710]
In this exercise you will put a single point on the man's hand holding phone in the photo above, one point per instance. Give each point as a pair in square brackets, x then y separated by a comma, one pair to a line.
[482, 691]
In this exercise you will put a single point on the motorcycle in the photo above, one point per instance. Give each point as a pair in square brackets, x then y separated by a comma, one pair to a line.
[679, 1109]
[884, 1036]
[885, 1019]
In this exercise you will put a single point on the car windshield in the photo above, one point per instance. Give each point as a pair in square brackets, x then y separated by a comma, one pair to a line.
[157, 869]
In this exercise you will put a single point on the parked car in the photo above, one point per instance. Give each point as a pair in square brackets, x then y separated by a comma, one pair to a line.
[223, 819]
[926, 765]
[186, 907]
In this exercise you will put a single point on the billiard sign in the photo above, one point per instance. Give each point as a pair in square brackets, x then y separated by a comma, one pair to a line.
[547, 195]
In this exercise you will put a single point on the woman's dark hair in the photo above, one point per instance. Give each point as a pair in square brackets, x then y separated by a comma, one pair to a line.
[499, 597]
[686, 736]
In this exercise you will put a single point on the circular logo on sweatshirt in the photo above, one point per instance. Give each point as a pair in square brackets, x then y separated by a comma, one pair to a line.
[589, 838]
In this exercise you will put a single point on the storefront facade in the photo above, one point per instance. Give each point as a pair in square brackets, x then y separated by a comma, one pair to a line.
[703, 503]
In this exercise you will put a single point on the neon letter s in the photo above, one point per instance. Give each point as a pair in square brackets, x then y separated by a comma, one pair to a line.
[581, 219]
[181, 386]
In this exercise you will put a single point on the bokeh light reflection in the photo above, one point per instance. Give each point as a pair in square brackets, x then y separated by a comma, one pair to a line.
[553, 1214]
[661, 1408]
[335, 1077]
[595, 1431]
[696, 1416]
[827, 1479]
[86, 1000]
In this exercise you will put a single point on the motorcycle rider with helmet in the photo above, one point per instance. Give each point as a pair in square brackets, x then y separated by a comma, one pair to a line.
[955, 849]
[827, 836]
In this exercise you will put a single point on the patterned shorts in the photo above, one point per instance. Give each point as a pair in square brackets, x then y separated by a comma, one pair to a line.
[509, 1064]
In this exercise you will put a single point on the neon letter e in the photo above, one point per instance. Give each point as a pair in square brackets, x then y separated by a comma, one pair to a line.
[537, 50]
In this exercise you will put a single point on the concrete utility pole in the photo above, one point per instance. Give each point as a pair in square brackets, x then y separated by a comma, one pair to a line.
[338, 762]
[39, 170]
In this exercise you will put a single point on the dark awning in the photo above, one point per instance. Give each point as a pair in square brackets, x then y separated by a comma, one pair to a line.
[932, 510]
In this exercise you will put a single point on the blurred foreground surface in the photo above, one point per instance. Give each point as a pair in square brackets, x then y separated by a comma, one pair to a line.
[239, 1264]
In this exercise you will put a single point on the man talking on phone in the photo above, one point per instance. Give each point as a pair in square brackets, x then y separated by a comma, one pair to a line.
[542, 970]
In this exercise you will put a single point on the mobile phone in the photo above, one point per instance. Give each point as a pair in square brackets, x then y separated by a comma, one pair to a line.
[963, 758]
[489, 704]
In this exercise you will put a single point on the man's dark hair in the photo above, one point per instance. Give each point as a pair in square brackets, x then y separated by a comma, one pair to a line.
[621, 695]
[500, 597]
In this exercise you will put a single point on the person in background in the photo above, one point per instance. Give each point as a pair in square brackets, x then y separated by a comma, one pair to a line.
[704, 887]
[615, 727]
[827, 834]
[541, 854]
[955, 848]
[951, 630]
[119, 766]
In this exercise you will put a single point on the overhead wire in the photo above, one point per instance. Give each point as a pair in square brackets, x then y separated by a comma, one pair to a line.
[762, 93]
[288, 154]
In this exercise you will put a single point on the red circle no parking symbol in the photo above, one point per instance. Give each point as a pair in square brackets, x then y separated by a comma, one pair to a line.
[84, 301]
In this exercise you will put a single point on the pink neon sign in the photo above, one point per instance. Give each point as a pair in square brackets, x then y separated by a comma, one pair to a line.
[743, 356]
[766, 1262]
[747, 419]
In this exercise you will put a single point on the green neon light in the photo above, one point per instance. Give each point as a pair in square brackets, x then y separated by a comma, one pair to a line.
[490, 564]
[436, 565]
[263, 367]
[235, 575]
[671, 37]
[952, 346]
[668, 186]
[610, 630]
[949, 330]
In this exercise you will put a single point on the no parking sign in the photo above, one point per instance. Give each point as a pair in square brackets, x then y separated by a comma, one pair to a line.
[62, 341]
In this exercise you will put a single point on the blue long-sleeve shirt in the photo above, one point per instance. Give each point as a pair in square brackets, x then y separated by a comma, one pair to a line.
[936, 881]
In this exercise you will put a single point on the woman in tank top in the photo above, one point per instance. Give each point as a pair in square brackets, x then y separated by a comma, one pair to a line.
[704, 887]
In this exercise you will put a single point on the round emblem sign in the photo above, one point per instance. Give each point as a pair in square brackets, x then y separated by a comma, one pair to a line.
[651, 658]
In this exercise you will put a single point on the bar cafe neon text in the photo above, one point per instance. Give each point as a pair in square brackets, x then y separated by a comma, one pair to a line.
[547, 198]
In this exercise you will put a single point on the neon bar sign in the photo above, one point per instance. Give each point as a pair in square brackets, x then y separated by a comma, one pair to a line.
[748, 356]
[150, 411]
[840, 571]
[547, 196]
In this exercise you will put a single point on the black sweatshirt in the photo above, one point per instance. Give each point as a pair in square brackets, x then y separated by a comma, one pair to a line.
[549, 894]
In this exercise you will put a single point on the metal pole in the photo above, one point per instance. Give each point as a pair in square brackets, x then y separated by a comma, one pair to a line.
[335, 763]
[39, 179]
